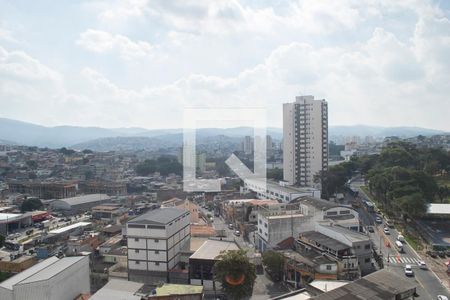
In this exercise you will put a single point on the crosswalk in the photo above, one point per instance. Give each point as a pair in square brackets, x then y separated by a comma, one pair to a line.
[402, 260]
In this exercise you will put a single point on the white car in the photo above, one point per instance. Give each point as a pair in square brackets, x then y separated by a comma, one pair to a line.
[422, 265]
[386, 230]
[409, 271]
[441, 297]
[378, 220]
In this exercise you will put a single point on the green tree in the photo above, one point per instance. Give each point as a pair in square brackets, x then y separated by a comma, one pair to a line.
[31, 204]
[2, 240]
[32, 164]
[274, 263]
[236, 274]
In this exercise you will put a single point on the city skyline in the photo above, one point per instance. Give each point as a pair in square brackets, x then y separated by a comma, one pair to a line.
[139, 64]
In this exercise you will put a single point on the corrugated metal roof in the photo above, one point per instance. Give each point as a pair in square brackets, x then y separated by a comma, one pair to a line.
[9, 283]
[54, 269]
[212, 248]
[117, 289]
[438, 209]
[70, 227]
[85, 199]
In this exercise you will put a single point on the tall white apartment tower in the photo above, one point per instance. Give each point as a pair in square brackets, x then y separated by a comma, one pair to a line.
[305, 140]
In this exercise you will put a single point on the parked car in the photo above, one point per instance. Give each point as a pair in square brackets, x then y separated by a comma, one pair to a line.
[370, 229]
[441, 254]
[422, 265]
[237, 233]
[442, 297]
[409, 271]
[432, 254]
[230, 226]
[447, 253]
[378, 220]
[386, 230]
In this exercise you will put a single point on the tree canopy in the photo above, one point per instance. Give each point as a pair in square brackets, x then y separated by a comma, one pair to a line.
[236, 274]
[164, 164]
[31, 204]
[274, 263]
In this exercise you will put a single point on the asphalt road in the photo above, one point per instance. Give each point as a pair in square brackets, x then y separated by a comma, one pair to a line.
[428, 284]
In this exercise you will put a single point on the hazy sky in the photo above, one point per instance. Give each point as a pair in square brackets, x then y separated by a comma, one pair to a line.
[139, 63]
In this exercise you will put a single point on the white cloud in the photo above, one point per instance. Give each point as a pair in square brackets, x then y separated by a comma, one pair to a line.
[102, 42]
[375, 61]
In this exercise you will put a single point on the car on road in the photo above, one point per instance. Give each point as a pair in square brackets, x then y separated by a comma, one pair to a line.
[386, 230]
[378, 220]
[237, 233]
[422, 265]
[230, 226]
[389, 223]
[409, 271]
[447, 253]
[401, 238]
[432, 254]
[370, 229]
[442, 297]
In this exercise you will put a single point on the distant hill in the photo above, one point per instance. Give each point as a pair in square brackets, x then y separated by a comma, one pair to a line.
[18, 132]
[375, 131]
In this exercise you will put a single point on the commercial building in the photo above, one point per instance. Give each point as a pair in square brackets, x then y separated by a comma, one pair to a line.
[155, 241]
[276, 223]
[111, 188]
[51, 279]
[79, 204]
[44, 190]
[383, 284]
[353, 250]
[108, 212]
[278, 191]
[324, 210]
[10, 221]
[305, 140]
[202, 261]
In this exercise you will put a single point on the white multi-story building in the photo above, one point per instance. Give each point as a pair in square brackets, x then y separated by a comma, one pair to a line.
[278, 191]
[303, 214]
[305, 140]
[155, 241]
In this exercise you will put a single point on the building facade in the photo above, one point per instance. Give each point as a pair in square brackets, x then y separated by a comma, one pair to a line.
[305, 140]
[155, 241]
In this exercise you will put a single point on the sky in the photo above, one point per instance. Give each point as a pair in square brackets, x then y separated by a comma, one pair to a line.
[138, 63]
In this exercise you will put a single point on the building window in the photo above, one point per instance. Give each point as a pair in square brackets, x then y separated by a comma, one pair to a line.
[260, 222]
[136, 250]
[344, 212]
[156, 252]
[260, 230]
[331, 213]
[137, 262]
[367, 246]
[156, 241]
[367, 260]
[265, 225]
[156, 263]
[136, 239]
[329, 267]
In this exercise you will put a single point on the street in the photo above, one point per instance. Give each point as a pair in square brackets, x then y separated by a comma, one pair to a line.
[428, 284]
